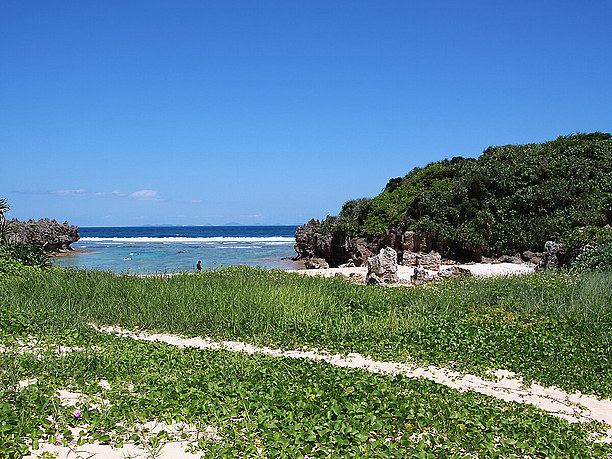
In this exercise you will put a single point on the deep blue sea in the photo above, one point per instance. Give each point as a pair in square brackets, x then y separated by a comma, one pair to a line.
[152, 249]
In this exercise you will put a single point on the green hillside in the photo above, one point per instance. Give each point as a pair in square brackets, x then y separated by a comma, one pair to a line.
[513, 197]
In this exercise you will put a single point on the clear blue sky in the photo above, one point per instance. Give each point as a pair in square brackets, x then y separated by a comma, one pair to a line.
[274, 112]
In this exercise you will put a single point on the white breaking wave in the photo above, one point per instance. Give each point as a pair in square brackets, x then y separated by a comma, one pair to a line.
[279, 240]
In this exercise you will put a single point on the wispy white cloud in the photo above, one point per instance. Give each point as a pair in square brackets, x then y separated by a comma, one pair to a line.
[140, 195]
[196, 201]
[79, 192]
[145, 195]
[114, 194]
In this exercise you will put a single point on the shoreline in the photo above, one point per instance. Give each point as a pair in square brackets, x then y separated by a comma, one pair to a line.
[69, 252]
[404, 273]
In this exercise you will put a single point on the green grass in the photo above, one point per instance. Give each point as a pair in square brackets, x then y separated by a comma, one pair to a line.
[288, 408]
[553, 328]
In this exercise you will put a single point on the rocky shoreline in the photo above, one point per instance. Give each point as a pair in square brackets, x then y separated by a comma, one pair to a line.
[47, 234]
[317, 249]
[383, 257]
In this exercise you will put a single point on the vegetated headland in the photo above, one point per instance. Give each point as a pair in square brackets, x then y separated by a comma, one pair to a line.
[508, 202]
[553, 327]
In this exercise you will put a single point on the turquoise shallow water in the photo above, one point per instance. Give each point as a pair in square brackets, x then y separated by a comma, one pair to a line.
[149, 250]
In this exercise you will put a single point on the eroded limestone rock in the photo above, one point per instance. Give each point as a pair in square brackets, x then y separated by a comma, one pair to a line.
[429, 260]
[45, 233]
[454, 271]
[383, 267]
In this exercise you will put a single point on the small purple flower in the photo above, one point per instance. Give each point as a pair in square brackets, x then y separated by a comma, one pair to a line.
[76, 413]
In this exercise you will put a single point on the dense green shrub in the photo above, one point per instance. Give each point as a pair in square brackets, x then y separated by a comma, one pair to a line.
[352, 215]
[591, 235]
[12, 266]
[513, 197]
[13, 257]
[29, 255]
[598, 258]
[8, 265]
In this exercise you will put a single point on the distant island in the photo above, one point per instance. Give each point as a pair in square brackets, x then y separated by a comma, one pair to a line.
[507, 202]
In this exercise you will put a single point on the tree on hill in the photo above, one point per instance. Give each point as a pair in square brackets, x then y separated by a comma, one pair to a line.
[4, 207]
[512, 198]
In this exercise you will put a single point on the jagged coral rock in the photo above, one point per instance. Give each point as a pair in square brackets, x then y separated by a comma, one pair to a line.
[45, 233]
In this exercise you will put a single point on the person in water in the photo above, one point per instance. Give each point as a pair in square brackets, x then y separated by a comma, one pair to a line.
[199, 266]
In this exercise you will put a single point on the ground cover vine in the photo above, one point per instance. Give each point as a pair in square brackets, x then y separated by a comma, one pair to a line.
[552, 328]
[259, 405]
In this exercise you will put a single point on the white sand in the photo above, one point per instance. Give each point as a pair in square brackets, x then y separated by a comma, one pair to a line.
[405, 272]
[574, 407]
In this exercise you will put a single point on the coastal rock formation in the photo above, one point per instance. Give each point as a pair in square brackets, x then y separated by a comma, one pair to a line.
[516, 258]
[316, 263]
[532, 257]
[415, 242]
[45, 233]
[360, 249]
[429, 260]
[382, 267]
[308, 240]
[312, 241]
[420, 275]
[554, 256]
[454, 271]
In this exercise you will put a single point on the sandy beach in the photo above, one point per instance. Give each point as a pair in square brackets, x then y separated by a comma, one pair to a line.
[404, 273]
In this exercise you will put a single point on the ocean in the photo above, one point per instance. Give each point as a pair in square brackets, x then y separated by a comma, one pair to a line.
[166, 249]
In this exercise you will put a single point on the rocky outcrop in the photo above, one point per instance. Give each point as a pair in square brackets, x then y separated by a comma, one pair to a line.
[454, 271]
[429, 260]
[382, 268]
[415, 242]
[312, 241]
[420, 275]
[46, 234]
[554, 256]
[516, 258]
[413, 248]
[532, 257]
[308, 240]
[316, 263]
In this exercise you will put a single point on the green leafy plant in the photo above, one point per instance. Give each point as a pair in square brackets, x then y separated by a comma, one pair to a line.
[551, 327]
[4, 207]
[598, 258]
[256, 405]
[512, 198]
[29, 255]
[562, 320]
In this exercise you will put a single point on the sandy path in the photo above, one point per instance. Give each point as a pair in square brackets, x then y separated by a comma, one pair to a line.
[575, 407]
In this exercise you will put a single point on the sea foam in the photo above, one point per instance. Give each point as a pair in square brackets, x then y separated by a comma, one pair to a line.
[191, 240]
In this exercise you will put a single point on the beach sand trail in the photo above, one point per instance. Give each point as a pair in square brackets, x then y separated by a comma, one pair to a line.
[575, 407]
[404, 273]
